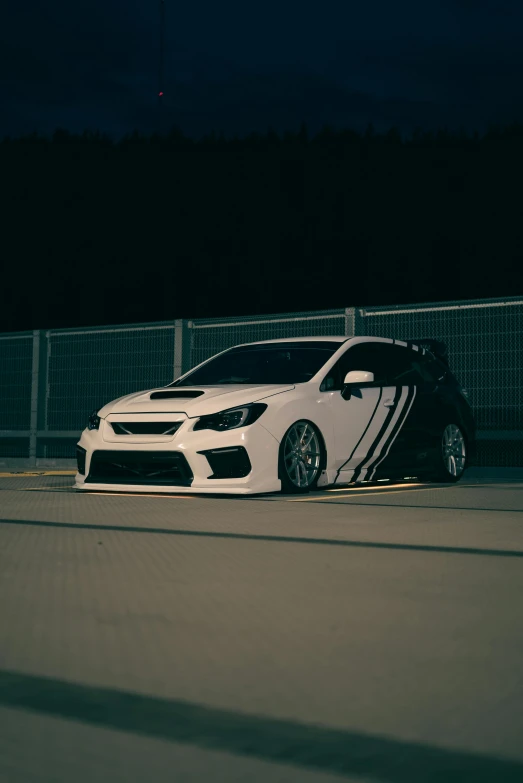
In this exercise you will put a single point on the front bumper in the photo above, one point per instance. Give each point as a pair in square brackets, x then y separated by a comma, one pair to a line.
[199, 469]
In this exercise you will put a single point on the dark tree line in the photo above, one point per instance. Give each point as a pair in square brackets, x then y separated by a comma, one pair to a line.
[153, 228]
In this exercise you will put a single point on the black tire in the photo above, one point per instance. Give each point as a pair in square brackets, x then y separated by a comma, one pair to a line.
[300, 460]
[452, 456]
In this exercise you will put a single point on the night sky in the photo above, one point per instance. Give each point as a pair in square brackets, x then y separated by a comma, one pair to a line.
[239, 67]
[423, 215]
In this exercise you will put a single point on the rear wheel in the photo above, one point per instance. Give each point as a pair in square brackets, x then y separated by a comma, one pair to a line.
[301, 454]
[452, 455]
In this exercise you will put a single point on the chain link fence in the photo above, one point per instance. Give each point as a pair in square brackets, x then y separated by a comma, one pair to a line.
[16, 369]
[50, 381]
[87, 369]
[485, 344]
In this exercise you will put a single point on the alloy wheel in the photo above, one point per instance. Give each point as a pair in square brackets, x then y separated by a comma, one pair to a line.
[302, 455]
[453, 450]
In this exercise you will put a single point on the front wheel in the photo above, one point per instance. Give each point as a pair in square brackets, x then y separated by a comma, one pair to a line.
[452, 455]
[300, 461]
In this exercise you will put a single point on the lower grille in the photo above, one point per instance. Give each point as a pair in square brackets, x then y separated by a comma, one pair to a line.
[154, 468]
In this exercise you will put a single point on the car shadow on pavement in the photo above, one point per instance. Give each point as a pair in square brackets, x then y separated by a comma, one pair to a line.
[262, 537]
[284, 741]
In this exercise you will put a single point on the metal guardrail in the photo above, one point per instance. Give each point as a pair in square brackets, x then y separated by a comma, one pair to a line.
[51, 380]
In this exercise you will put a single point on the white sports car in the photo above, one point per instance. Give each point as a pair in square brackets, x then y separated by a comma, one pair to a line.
[291, 415]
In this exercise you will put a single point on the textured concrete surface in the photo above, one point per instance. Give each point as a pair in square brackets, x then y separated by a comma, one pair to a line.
[370, 635]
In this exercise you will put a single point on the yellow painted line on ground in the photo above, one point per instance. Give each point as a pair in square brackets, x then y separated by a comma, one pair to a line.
[365, 494]
[42, 489]
[46, 473]
[374, 488]
[87, 492]
[135, 494]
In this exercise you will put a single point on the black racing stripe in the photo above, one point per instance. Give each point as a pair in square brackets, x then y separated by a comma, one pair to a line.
[364, 433]
[372, 451]
[399, 424]
[396, 428]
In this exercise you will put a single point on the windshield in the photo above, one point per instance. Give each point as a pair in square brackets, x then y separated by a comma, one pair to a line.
[263, 363]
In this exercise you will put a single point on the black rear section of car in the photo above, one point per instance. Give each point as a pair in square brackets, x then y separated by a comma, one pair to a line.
[435, 400]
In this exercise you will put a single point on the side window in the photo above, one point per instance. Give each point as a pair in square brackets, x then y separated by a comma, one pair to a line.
[412, 367]
[406, 366]
[392, 365]
[332, 381]
[435, 370]
[372, 357]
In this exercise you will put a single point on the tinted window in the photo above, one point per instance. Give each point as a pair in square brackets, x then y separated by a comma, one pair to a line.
[392, 365]
[372, 357]
[266, 363]
[436, 370]
[405, 366]
[413, 367]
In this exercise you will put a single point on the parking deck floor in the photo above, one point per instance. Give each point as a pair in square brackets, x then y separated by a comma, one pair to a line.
[357, 633]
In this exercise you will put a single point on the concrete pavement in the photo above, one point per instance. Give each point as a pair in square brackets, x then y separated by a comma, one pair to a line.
[370, 634]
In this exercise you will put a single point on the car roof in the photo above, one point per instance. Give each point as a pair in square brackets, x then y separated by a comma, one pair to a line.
[337, 338]
[330, 338]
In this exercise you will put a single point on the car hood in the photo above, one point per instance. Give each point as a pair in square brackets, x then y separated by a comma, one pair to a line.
[193, 400]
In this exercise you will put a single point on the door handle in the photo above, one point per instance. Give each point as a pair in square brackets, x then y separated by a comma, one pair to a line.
[389, 403]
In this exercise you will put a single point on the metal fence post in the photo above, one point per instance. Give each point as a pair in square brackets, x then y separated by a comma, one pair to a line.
[47, 386]
[33, 422]
[349, 322]
[190, 327]
[178, 348]
[43, 369]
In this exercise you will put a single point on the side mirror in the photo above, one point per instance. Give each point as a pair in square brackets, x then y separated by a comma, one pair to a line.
[358, 376]
[355, 378]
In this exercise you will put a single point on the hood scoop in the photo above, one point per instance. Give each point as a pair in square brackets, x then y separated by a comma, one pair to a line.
[175, 395]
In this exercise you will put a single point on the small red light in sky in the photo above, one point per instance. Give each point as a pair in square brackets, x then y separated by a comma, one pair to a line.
[160, 94]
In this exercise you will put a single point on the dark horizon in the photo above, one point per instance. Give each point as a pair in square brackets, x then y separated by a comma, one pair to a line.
[157, 228]
[302, 128]
[453, 63]
[365, 154]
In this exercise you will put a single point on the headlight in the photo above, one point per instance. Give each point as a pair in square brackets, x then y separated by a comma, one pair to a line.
[93, 422]
[231, 419]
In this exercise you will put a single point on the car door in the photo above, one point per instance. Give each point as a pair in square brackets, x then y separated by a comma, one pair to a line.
[363, 416]
[410, 440]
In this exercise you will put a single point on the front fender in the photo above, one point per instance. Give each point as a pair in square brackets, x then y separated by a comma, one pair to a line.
[282, 414]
